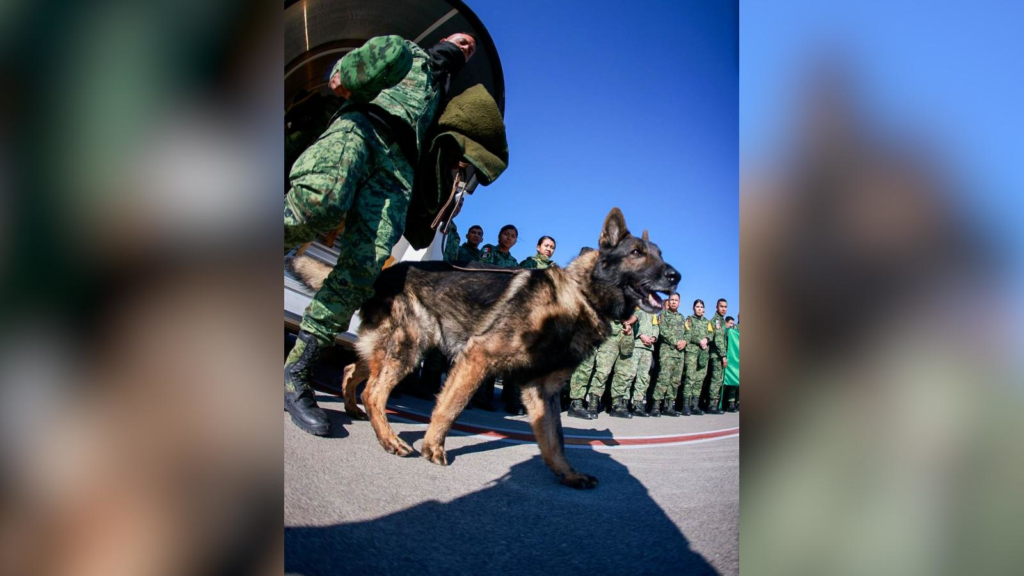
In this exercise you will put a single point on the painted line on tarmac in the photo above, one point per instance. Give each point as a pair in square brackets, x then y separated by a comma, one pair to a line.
[575, 440]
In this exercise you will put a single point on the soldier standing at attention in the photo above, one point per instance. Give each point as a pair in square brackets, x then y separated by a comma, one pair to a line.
[625, 372]
[671, 344]
[542, 259]
[470, 251]
[600, 364]
[360, 171]
[499, 255]
[698, 332]
[717, 360]
[647, 330]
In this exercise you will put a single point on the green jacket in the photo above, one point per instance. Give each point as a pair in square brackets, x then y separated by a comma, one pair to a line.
[491, 255]
[451, 244]
[673, 330]
[537, 262]
[468, 253]
[646, 324]
[718, 343]
[625, 340]
[697, 328]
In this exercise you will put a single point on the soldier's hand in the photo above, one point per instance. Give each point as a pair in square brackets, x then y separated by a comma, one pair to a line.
[627, 329]
[680, 345]
[725, 363]
[336, 86]
[703, 343]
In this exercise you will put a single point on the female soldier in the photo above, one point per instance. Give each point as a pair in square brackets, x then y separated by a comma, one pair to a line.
[697, 331]
[541, 260]
[499, 255]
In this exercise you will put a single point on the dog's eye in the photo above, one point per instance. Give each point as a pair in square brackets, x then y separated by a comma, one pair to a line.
[636, 252]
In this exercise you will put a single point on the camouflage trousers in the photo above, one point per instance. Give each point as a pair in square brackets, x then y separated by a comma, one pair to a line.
[670, 376]
[593, 372]
[636, 371]
[356, 174]
[717, 377]
[696, 368]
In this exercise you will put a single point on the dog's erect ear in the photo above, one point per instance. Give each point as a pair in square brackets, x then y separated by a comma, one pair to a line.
[646, 237]
[614, 229]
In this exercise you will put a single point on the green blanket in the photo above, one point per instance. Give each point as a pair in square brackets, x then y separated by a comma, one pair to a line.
[470, 129]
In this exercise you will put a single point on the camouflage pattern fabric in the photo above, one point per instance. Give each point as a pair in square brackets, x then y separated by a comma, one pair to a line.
[643, 354]
[356, 173]
[451, 244]
[672, 330]
[717, 351]
[697, 328]
[625, 373]
[536, 262]
[378, 64]
[491, 255]
[468, 253]
[592, 374]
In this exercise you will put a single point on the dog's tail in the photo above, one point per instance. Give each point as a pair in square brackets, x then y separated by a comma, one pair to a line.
[308, 270]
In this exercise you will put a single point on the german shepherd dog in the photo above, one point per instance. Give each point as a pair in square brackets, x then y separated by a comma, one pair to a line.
[532, 325]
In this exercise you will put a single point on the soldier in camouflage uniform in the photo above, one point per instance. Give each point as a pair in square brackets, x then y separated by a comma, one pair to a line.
[671, 344]
[635, 369]
[470, 251]
[592, 374]
[698, 331]
[542, 259]
[360, 172]
[716, 356]
[500, 255]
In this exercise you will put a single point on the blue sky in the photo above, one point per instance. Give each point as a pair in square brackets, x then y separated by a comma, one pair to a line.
[630, 105]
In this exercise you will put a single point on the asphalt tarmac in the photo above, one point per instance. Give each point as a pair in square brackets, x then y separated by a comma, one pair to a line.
[667, 501]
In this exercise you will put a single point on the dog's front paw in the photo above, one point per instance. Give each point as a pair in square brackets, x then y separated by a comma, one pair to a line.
[579, 481]
[435, 454]
[356, 413]
[397, 446]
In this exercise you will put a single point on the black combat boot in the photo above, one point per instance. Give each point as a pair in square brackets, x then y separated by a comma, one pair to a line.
[620, 410]
[686, 407]
[576, 410]
[656, 409]
[593, 405]
[299, 399]
[638, 408]
[670, 408]
[695, 409]
[732, 406]
[713, 407]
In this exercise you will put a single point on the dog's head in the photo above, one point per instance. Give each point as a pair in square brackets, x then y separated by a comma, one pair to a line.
[633, 266]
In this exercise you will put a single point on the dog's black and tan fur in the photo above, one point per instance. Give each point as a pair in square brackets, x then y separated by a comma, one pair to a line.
[532, 325]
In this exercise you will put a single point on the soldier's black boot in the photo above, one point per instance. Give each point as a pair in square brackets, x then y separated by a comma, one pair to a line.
[638, 408]
[656, 409]
[576, 410]
[732, 406]
[695, 409]
[686, 407]
[299, 399]
[713, 407]
[620, 410]
[593, 406]
[670, 408]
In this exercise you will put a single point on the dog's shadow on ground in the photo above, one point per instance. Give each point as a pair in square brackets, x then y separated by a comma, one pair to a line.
[524, 523]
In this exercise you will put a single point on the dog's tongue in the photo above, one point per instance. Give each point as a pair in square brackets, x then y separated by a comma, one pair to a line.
[653, 299]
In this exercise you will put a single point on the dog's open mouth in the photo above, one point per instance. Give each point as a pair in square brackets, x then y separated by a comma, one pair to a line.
[648, 300]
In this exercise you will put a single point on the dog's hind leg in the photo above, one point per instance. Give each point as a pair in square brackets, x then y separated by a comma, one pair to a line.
[385, 373]
[464, 378]
[541, 401]
[353, 375]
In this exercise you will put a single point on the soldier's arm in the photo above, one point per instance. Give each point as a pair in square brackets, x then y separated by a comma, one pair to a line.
[377, 65]
[528, 264]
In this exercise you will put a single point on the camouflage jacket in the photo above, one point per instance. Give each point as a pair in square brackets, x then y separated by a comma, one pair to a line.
[625, 341]
[537, 262]
[672, 330]
[646, 324]
[451, 244]
[468, 253]
[414, 99]
[718, 342]
[491, 255]
[697, 328]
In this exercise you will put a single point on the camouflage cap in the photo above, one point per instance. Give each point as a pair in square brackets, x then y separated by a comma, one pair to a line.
[378, 64]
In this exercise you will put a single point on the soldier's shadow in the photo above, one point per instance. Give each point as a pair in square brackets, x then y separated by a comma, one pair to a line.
[525, 522]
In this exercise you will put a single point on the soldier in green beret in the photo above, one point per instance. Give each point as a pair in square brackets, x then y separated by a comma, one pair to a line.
[542, 259]
[360, 172]
[698, 333]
